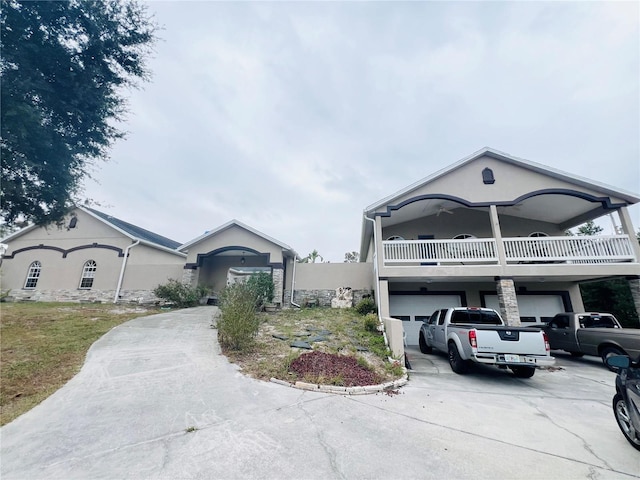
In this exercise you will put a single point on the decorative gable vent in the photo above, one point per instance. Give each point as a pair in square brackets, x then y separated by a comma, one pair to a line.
[487, 176]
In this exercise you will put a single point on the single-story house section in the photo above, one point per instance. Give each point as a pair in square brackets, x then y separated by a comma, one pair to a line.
[234, 250]
[91, 257]
[491, 230]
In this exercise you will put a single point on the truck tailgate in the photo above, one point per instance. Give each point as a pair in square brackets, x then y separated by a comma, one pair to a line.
[517, 340]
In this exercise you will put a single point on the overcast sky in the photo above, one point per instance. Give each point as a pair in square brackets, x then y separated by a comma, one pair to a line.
[293, 117]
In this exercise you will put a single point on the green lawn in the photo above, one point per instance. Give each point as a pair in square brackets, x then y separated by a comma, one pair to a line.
[43, 345]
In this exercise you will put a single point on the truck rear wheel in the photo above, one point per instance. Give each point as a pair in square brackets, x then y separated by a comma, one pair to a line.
[523, 372]
[458, 364]
[424, 348]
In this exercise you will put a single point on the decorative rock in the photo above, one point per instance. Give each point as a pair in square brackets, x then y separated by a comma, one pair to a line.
[361, 349]
[343, 298]
[300, 344]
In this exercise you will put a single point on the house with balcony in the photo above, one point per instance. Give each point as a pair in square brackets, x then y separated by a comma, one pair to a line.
[492, 230]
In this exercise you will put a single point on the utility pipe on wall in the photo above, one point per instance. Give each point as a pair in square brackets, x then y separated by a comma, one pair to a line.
[375, 265]
[293, 281]
[124, 264]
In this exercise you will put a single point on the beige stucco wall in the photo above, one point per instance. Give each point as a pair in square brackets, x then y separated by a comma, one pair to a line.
[329, 276]
[88, 230]
[61, 273]
[511, 181]
[235, 236]
[60, 276]
[149, 267]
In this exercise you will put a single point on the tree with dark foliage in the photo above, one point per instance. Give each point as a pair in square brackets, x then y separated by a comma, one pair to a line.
[612, 296]
[64, 67]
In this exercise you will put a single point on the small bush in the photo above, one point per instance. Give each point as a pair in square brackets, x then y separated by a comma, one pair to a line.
[371, 323]
[366, 305]
[238, 323]
[179, 294]
[262, 284]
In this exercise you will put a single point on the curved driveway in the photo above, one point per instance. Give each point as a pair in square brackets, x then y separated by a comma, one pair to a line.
[156, 399]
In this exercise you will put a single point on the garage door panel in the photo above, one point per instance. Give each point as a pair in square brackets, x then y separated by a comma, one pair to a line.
[534, 307]
[412, 309]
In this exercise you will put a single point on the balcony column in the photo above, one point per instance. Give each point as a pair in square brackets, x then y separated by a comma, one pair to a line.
[497, 234]
[627, 228]
[634, 285]
[383, 298]
[508, 301]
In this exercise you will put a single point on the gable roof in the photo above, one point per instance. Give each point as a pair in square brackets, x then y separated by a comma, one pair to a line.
[367, 230]
[231, 224]
[134, 232]
[505, 157]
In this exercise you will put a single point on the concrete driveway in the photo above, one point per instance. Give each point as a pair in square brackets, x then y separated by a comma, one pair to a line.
[156, 399]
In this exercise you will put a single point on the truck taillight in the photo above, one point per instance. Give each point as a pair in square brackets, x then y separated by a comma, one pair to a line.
[546, 341]
[473, 340]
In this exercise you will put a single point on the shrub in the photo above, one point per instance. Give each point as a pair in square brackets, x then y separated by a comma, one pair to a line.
[179, 294]
[371, 323]
[366, 305]
[238, 323]
[262, 284]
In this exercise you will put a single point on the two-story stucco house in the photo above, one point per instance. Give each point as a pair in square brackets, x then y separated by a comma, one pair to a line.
[490, 230]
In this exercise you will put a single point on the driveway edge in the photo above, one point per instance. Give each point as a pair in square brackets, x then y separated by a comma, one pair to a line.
[345, 390]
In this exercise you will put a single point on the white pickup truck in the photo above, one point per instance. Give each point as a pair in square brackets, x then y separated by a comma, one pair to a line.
[469, 334]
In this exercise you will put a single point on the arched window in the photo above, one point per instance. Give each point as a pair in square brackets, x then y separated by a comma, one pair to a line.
[538, 234]
[88, 274]
[463, 236]
[33, 275]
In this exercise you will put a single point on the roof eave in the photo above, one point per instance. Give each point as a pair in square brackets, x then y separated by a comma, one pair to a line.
[231, 223]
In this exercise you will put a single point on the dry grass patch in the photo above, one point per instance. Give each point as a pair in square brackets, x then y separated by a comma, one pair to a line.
[43, 345]
[272, 357]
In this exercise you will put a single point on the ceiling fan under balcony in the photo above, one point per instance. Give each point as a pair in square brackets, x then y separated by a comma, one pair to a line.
[443, 209]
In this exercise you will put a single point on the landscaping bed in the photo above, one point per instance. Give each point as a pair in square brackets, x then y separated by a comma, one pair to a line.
[320, 346]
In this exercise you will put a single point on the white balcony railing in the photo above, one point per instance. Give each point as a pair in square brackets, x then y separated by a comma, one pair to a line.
[543, 250]
[470, 250]
[591, 249]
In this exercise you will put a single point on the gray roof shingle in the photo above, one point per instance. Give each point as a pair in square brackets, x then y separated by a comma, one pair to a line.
[136, 231]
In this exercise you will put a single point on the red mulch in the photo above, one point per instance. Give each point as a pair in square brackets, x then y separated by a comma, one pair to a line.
[328, 366]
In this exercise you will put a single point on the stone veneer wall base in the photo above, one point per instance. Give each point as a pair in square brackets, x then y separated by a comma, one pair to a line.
[321, 297]
[139, 297]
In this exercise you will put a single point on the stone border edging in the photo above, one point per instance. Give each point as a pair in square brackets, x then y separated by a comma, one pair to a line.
[344, 390]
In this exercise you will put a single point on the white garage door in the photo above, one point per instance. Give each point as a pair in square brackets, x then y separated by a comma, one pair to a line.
[412, 309]
[533, 308]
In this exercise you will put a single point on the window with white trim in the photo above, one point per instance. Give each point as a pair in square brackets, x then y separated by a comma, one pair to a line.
[88, 274]
[33, 275]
